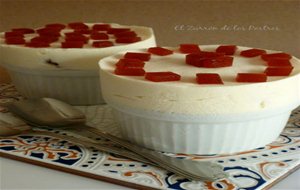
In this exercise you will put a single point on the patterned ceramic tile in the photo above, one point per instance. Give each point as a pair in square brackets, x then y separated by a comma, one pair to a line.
[253, 169]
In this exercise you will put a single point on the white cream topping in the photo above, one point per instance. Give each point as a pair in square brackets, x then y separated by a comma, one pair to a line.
[188, 97]
[85, 58]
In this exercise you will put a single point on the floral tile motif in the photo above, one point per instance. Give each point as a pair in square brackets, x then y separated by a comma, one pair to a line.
[249, 170]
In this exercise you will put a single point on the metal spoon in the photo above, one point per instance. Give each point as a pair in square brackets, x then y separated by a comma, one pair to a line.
[11, 126]
[54, 113]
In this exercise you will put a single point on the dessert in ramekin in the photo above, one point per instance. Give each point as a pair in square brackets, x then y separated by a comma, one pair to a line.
[211, 99]
[60, 61]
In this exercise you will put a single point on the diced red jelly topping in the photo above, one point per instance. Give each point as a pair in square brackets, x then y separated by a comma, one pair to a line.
[227, 49]
[128, 40]
[101, 27]
[268, 57]
[46, 39]
[72, 34]
[102, 44]
[252, 52]
[279, 71]
[160, 51]
[140, 56]
[48, 32]
[162, 76]
[37, 44]
[57, 26]
[130, 63]
[207, 54]
[99, 36]
[117, 30]
[72, 44]
[208, 78]
[279, 63]
[78, 25]
[189, 48]
[209, 60]
[13, 34]
[23, 30]
[125, 34]
[225, 61]
[251, 77]
[15, 40]
[194, 59]
[83, 31]
[129, 71]
[79, 37]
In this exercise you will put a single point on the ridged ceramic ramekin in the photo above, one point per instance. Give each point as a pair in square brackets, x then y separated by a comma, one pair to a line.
[74, 87]
[61, 70]
[183, 116]
[201, 134]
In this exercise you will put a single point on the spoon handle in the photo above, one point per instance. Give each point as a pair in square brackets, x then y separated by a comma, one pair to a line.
[101, 147]
[187, 168]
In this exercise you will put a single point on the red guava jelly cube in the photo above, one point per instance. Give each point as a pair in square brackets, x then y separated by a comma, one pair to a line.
[194, 59]
[268, 57]
[48, 32]
[117, 30]
[129, 71]
[140, 56]
[130, 63]
[102, 44]
[79, 37]
[251, 77]
[15, 40]
[208, 78]
[57, 26]
[72, 34]
[13, 34]
[208, 54]
[72, 44]
[279, 63]
[209, 60]
[227, 49]
[128, 39]
[279, 71]
[160, 51]
[78, 25]
[162, 76]
[225, 61]
[23, 30]
[125, 34]
[189, 48]
[252, 52]
[83, 31]
[99, 36]
[37, 44]
[46, 39]
[101, 27]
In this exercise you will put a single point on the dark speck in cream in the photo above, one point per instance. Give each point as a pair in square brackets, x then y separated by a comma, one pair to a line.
[50, 62]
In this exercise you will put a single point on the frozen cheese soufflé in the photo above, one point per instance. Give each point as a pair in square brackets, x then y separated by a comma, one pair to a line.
[64, 57]
[206, 99]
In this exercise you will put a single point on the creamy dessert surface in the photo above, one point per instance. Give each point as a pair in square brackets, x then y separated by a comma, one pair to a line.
[84, 58]
[188, 97]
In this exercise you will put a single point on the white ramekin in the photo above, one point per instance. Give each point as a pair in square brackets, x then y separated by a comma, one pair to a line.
[201, 134]
[74, 87]
[74, 77]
